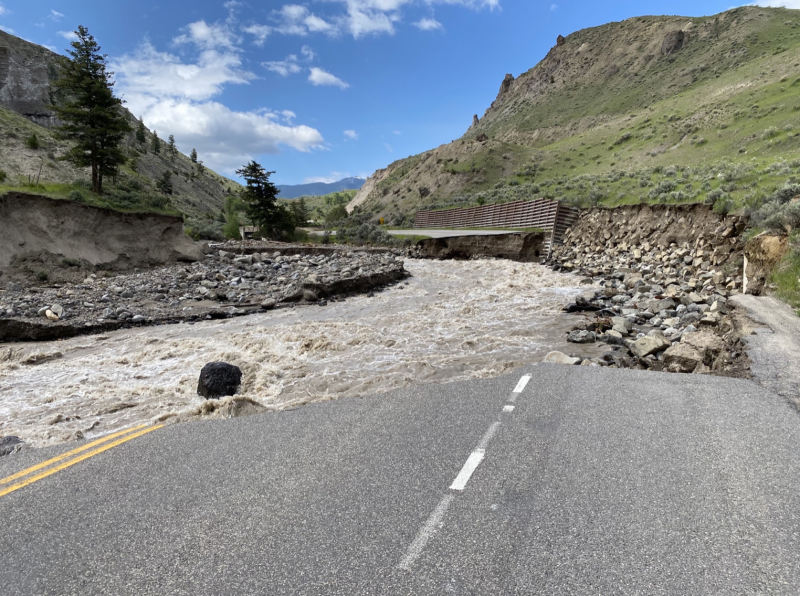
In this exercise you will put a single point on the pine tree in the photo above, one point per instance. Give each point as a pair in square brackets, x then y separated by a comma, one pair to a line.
[155, 144]
[140, 132]
[171, 146]
[300, 212]
[193, 156]
[92, 116]
[164, 183]
[260, 197]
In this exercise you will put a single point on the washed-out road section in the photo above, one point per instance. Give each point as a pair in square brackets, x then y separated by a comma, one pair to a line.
[578, 481]
[436, 233]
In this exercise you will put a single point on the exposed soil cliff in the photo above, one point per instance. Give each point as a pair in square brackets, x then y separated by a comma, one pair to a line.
[527, 248]
[32, 225]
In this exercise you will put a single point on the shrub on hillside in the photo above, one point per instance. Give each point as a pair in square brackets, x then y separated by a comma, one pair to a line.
[779, 211]
[32, 142]
[3, 176]
[76, 195]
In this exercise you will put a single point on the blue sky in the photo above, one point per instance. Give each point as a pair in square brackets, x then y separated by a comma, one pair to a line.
[323, 89]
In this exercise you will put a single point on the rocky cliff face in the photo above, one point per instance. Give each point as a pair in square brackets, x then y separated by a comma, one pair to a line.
[26, 71]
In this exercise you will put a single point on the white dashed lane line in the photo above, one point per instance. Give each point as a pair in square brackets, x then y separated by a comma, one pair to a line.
[436, 519]
[522, 384]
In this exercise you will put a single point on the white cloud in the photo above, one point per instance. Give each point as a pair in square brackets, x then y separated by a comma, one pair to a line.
[388, 147]
[284, 67]
[333, 177]
[7, 29]
[397, 132]
[224, 138]
[351, 134]
[428, 24]
[554, 7]
[362, 17]
[68, 35]
[291, 64]
[214, 36]
[260, 32]
[295, 19]
[780, 3]
[3, 10]
[362, 21]
[163, 74]
[176, 97]
[55, 15]
[321, 77]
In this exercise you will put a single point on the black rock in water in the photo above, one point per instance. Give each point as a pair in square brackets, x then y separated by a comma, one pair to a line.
[9, 444]
[218, 379]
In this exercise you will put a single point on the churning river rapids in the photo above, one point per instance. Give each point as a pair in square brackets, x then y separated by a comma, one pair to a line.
[451, 320]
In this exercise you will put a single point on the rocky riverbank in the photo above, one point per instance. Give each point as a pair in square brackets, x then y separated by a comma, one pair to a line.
[234, 279]
[662, 279]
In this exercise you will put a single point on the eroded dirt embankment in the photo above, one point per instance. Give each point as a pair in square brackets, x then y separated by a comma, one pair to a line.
[33, 226]
[526, 248]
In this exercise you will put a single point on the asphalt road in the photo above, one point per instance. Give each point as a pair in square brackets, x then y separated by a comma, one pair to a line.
[436, 233]
[449, 233]
[774, 349]
[597, 482]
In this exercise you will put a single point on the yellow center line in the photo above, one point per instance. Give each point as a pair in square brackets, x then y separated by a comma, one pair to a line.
[63, 456]
[78, 459]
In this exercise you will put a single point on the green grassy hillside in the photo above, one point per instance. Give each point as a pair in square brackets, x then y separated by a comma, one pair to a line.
[622, 114]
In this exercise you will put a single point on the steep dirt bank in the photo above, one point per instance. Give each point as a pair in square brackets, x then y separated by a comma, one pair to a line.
[33, 226]
[527, 248]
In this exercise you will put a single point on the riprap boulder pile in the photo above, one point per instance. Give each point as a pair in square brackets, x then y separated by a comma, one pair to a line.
[661, 278]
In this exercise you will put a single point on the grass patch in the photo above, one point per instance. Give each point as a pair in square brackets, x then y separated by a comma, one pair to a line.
[412, 238]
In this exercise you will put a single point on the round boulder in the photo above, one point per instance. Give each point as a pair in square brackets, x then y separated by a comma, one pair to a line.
[10, 444]
[218, 379]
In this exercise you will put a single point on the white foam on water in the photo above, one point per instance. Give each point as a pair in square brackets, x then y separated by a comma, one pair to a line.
[454, 320]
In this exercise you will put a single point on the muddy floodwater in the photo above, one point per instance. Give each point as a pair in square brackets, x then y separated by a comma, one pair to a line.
[449, 321]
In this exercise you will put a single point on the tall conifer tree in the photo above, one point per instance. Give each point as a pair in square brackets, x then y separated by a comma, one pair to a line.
[91, 115]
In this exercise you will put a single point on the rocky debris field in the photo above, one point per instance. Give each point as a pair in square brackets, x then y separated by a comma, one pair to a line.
[663, 306]
[233, 279]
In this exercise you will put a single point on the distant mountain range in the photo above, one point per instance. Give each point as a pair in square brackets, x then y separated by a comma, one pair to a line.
[294, 191]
